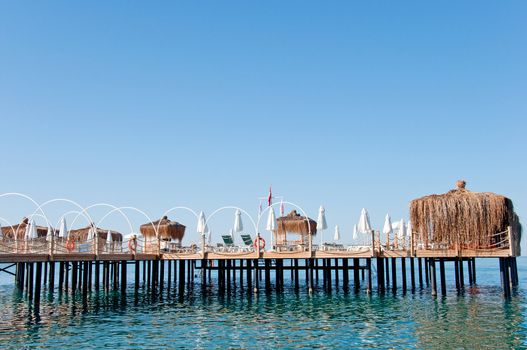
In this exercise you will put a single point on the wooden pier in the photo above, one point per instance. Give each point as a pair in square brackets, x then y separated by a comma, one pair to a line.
[372, 270]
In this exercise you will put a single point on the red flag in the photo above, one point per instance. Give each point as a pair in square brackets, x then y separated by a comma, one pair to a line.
[270, 198]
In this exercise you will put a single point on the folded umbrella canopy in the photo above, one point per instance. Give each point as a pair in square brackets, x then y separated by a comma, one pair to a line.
[387, 229]
[63, 230]
[401, 233]
[321, 222]
[364, 226]
[49, 235]
[31, 231]
[91, 233]
[271, 223]
[238, 225]
[202, 224]
[336, 237]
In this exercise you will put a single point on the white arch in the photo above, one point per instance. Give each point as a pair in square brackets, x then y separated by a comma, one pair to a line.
[17, 194]
[235, 208]
[176, 208]
[67, 201]
[85, 210]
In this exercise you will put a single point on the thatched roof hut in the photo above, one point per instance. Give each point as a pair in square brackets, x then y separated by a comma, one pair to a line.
[9, 232]
[294, 223]
[81, 234]
[474, 220]
[166, 229]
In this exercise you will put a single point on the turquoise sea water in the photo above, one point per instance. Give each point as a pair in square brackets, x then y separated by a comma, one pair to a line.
[478, 318]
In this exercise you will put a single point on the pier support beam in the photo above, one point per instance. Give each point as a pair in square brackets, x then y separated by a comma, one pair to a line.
[403, 273]
[356, 274]
[394, 275]
[442, 275]
[433, 279]
[38, 281]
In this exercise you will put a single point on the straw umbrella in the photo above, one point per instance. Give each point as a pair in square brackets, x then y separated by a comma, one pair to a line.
[271, 223]
[336, 237]
[321, 222]
[466, 219]
[387, 229]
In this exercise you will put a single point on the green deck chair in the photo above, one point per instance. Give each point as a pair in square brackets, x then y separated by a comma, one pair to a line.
[227, 239]
[247, 240]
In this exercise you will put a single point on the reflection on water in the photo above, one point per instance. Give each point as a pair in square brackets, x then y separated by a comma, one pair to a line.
[480, 318]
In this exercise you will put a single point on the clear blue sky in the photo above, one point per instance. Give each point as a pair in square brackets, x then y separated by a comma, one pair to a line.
[204, 103]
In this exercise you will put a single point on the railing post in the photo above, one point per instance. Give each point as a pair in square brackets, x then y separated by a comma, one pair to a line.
[509, 233]
[374, 253]
[202, 247]
[97, 246]
[51, 246]
[310, 241]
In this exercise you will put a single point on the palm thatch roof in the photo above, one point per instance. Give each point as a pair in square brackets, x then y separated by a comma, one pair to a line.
[472, 219]
[166, 229]
[295, 223]
[20, 229]
[81, 234]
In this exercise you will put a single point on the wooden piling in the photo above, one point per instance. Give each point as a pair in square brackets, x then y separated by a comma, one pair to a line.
[249, 274]
[380, 275]
[38, 285]
[45, 273]
[474, 270]
[74, 275]
[461, 274]
[124, 266]
[403, 273]
[329, 272]
[181, 277]
[469, 270]
[85, 272]
[345, 274]
[427, 271]
[442, 276]
[412, 273]
[432, 272]
[30, 282]
[337, 273]
[162, 275]
[136, 275]
[368, 279]
[169, 273]
[387, 272]
[394, 275]
[420, 271]
[267, 267]
[504, 278]
[356, 276]
[97, 269]
[51, 286]
[296, 277]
